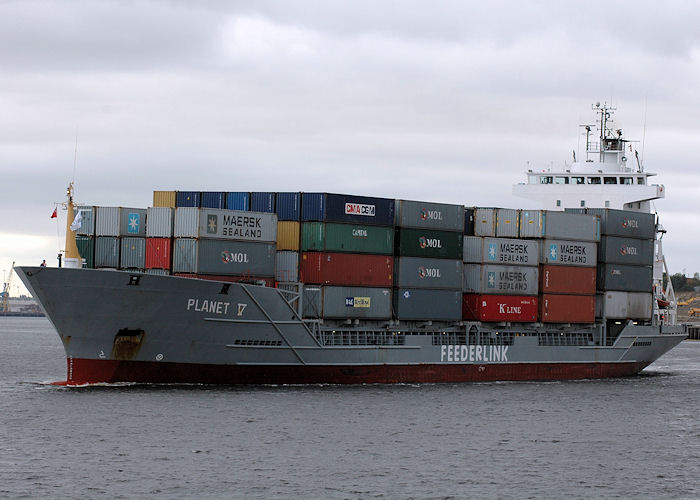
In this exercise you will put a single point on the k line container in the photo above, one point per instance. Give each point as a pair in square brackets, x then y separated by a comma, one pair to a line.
[287, 266]
[133, 253]
[422, 304]
[569, 226]
[507, 251]
[484, 222]
[288, 235]
[428, 243]
[213, 199]
[238, 200]
[500, 280]
[158, 253]
[164, 199]
[568, 253]
[347, 269]
[569, 280]
[187, 198]
[86, 249]
[420, 272]
[107, 251]
[87, 220]
[631, 251]
[625, 223]
[419, 214]
[567, 308]
[624, 278]
[468, 221]
[497, 308]
[159, 222]
[344, 302]
[507, 222]
[349, 209]
[350, 238]
[289, 206]
[624, 305]
[262, 202]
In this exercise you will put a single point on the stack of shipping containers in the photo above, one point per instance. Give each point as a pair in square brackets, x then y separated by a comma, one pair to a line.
[85, 235]
[120, 238]
[288, 208]
[428, 265]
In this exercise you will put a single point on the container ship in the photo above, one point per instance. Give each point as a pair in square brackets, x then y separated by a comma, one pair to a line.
[298, 288]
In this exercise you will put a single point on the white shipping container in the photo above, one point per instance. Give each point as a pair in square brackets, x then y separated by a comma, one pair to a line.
[107, 223]
[186, 222]
[159, 222]
[624, 305]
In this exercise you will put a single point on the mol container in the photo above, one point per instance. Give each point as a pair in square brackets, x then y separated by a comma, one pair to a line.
[346, 302]
[238, 200]
[159, 222]
[631, 251]
[419, 214]
[625, 223]
[500, 280]
[86, 249]
[224, 257]
[422, 304]
[428, 243]
[158, 253]
[87, 220]
[420, 272]
[568, 253]
[485, 222]
[569, 280]
[624, 305]
[507, 222]
[501, 251]
[347, 269]
[133, 253]
[350, 238]
[225, 224]
[496, 308]
[556, 308]
[345, 208]
[624, 278]
[287, 266]
[120, 221]
[107, 252]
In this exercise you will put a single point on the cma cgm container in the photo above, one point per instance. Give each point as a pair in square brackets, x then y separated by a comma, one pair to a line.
[236, 258]
[496, 308]
[346, 302]
[631, 251]
[568, 253]
[287, 266]
[225, 224]
[428, 243]
[500, 280]
[567, 308]
[418, 214]
[158, 253]
[159, 222]
[238, 200]
[262, 202]
[624, 278]
[570, 280]
[187, 199]
[421, 272]
[289, 206]
[345, 208]
[107, 252]
[133, 253]
[507, 222]
[87, 220]
[120, 221]
[213, 199]
[624, 305]
[501, 251]
[484, 222]
[423, 304]
[86, 249]
[625, 223]
[351, 238]
[347, 269]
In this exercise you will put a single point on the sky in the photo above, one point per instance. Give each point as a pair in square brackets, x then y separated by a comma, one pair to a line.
[447, 101]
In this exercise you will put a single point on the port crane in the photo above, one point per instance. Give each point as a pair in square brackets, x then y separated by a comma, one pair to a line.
[5, 295]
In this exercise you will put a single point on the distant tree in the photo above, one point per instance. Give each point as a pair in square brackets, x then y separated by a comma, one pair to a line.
[680, 282]
[696, 276]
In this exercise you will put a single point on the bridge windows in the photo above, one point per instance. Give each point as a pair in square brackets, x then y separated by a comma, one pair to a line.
[626, 180]
[561, 180]
[609, 180]
[594, 180]
[640, 180]
[577, 180]
[546, 179]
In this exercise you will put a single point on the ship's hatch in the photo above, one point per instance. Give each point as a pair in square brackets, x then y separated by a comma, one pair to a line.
[127, 343]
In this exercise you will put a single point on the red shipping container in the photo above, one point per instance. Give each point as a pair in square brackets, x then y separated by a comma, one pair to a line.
[567, 308]
[230, 279]
[514, 308]
[568, 280]
[325, 268]
[158, 253]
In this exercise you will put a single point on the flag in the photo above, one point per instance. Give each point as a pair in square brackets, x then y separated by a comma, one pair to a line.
[54, 214]
[75, 225]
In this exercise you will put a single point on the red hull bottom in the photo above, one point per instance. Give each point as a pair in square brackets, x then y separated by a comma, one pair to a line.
[90, 371]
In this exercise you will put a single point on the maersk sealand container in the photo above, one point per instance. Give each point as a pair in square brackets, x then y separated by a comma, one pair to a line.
[345, 208]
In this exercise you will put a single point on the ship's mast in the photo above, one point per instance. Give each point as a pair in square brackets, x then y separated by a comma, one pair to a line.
[72, 257]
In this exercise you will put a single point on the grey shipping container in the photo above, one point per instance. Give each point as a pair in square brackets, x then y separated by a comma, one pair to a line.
[568, 226]
[186, 223]
[625, 223]
[132, 221]
[507, 222]
[133, 253]
[227, 258]
[185, 255]
[287, 266]
[87, 220]
[624, 278]
[107, 222]
[500, 280]
[419, 214]
[531, 224]
[507, 251]
[107, 251]
[420, 272]
[346, 302]
[484, 222]
[569, 253]
[624, 305]
[617, 250]
[421, 304]
[159, 222]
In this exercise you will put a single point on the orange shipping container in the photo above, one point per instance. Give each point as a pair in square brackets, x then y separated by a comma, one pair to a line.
[158, 253]
[288, 235]
[569, 280]
[567, 308]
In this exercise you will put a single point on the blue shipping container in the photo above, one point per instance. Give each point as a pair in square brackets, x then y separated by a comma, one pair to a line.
[347, 208]
[262, 202]
[213, 199]
[187, 199]
[237, 200]
[288, 206]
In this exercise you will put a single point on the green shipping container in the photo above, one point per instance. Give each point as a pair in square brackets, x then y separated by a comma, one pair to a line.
[86, 249]
[350, 238]
[428, 243]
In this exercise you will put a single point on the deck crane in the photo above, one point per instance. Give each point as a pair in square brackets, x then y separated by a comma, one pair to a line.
[5, 295]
